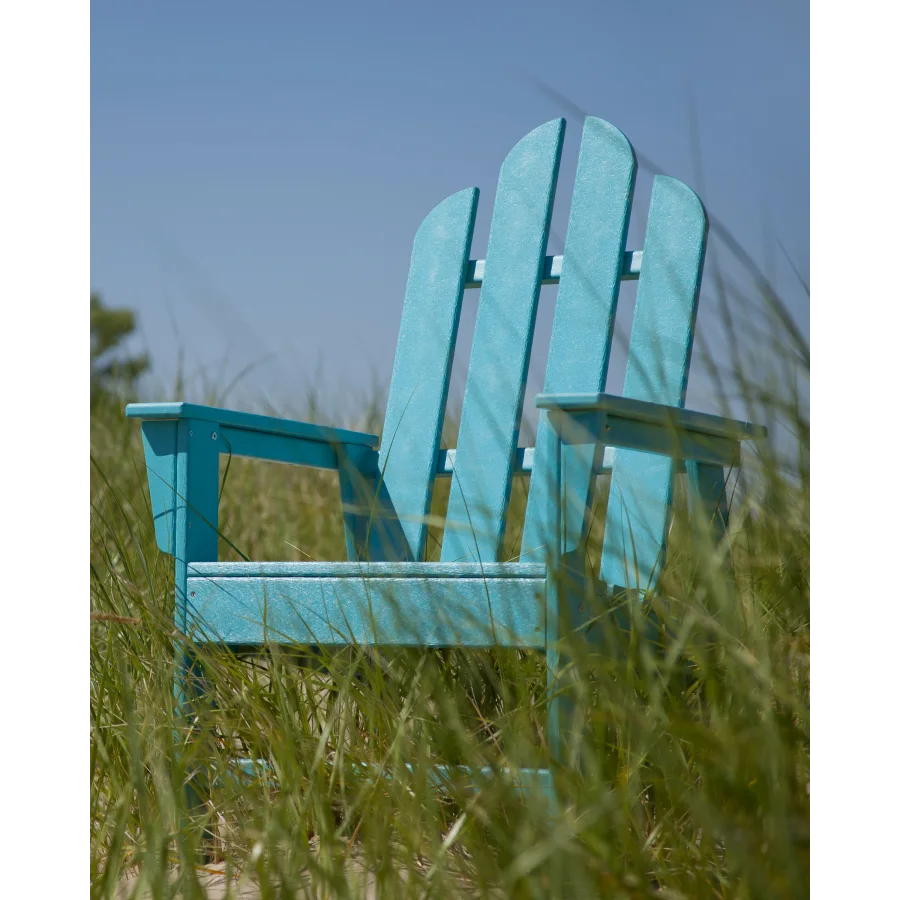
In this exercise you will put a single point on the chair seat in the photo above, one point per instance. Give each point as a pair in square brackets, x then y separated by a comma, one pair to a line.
[389, 604]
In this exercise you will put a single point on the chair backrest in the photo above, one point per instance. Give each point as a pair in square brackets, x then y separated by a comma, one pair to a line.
[593, 264]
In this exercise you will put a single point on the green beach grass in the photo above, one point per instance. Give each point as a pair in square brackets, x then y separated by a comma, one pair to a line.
[695, 780]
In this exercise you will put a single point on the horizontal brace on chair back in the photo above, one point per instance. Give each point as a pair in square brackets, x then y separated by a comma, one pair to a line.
[525, 461]
[631, 269]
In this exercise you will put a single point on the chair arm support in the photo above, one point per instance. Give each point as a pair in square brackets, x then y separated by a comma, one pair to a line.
[614, 421]
[183, 441]
[250, 422]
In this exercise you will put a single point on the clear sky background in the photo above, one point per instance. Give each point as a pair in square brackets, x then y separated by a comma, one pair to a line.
[258, 170]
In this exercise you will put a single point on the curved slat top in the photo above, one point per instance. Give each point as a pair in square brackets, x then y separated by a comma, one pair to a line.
[418, 395]
[501, 349]
[665, 313]
[659, 356]
[585, 305]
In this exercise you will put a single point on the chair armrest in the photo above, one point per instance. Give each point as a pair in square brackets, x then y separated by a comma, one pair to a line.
[250, 422]
[266, 437]
[623, 422]
[206, 433]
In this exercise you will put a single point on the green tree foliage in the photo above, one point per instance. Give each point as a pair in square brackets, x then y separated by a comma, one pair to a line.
[113, 372]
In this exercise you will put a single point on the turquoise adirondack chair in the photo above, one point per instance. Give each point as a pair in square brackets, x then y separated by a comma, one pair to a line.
[386, 594]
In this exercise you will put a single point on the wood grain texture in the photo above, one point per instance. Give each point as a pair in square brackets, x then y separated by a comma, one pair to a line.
[585, 307]
[501, 348]
[602, 431]
[670, 417]
[659, 355]
[399, 611]
[367, 570]
[421, 378]
[249, 422]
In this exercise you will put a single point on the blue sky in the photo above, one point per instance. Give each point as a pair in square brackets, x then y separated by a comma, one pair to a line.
[258, 170]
